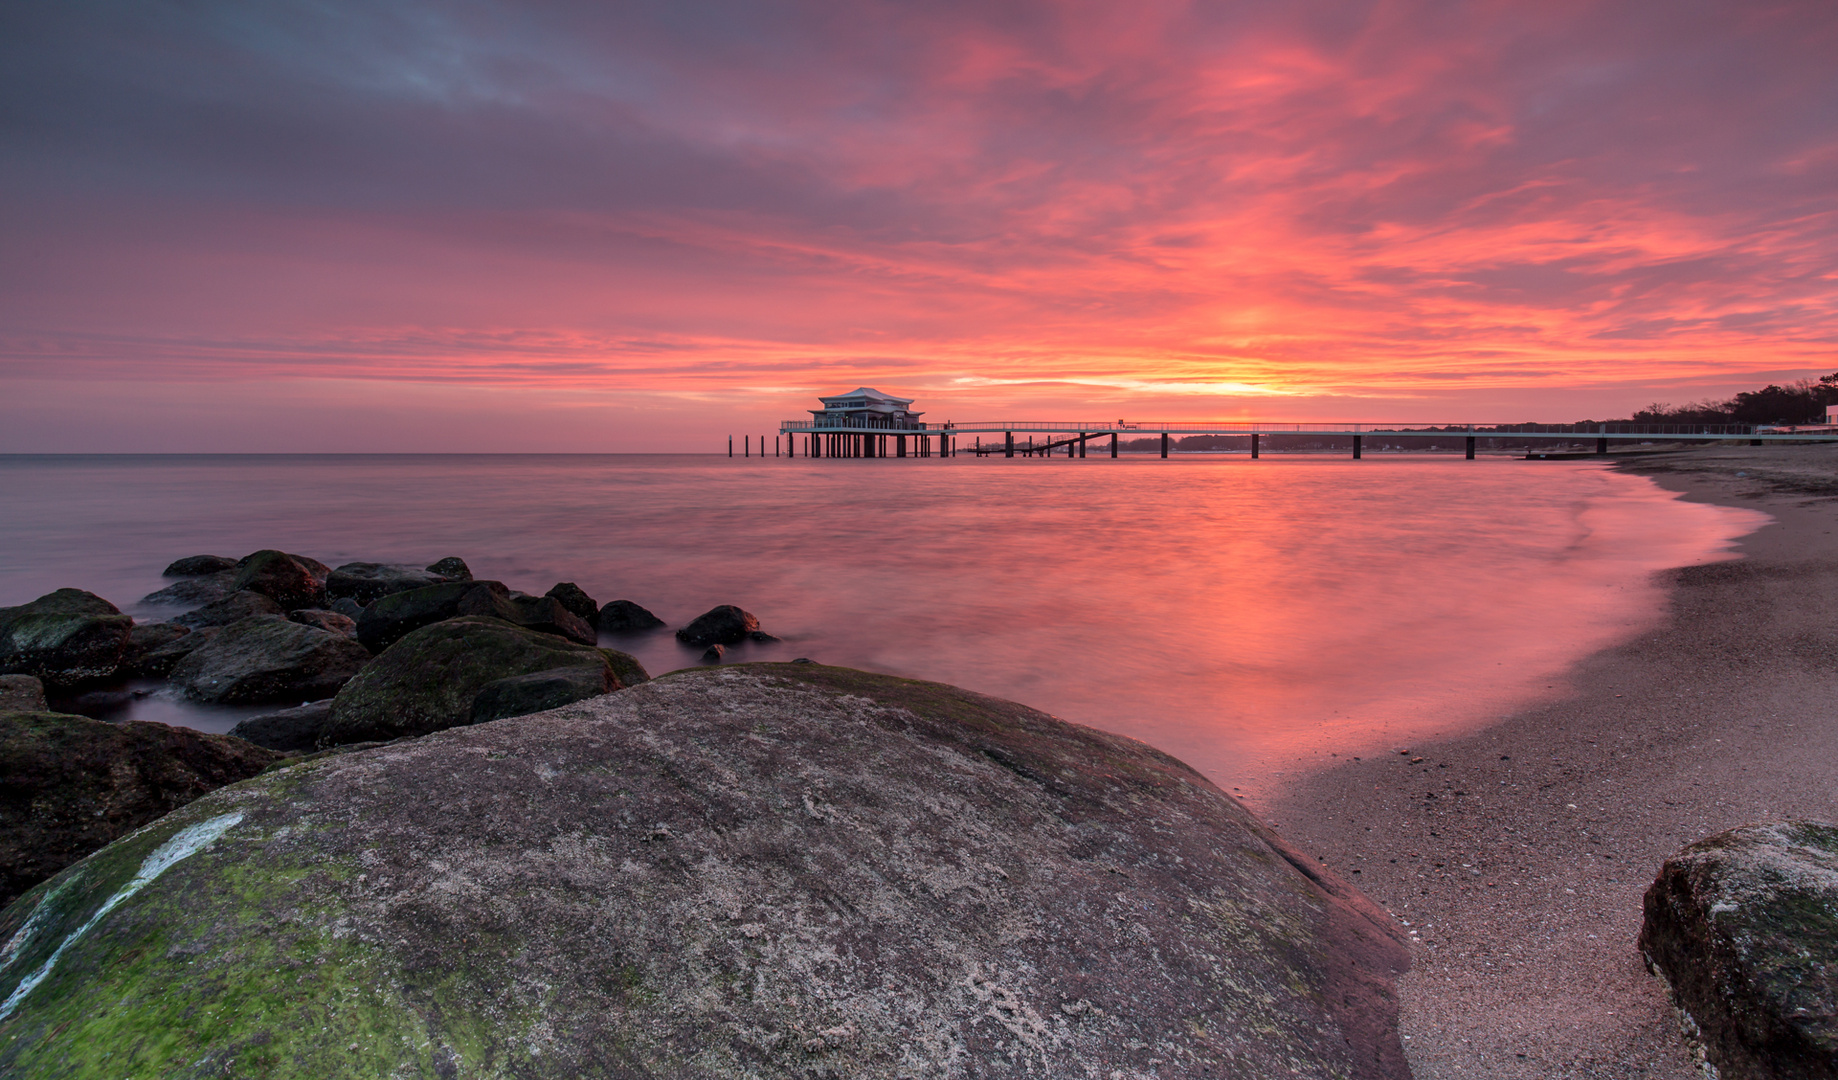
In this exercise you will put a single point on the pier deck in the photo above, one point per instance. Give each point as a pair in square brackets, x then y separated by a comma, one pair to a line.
[845, 439]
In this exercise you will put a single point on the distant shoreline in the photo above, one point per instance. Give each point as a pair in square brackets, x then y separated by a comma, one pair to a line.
[1522, 878]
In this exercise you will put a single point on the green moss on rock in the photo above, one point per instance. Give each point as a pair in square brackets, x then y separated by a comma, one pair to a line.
[759, 871]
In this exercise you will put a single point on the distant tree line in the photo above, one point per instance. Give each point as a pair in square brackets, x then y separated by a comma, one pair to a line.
[1802, 402]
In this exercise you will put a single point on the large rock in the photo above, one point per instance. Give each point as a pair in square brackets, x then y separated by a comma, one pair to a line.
[21, 693]
[268, 658]
[428, 680]
[724, 625]
[769, 871]
[294, 730]
[623, 616]
[365, 582]
[393, 617]
[73, 784]
[288, 579]
[1743, 927]
[198, 566]
[65, 637]
[575, 601]
[158, 661]
[237, 606]
[521, 695]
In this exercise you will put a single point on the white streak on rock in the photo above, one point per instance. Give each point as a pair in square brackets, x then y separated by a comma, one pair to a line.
[182, 843]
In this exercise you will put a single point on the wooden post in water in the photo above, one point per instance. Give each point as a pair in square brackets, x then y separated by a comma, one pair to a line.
[1113, 444]
[1011, 442]
[730, 446]
[1601, 446]
[1356, 441]
[1254, 446]
[1164, 444]
[1470, 448]
[1081, 445]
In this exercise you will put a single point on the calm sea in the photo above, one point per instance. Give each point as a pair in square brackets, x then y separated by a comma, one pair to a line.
[1229, 611]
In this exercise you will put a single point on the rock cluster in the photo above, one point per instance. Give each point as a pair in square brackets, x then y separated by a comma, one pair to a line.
[771, 871]
[1743, 927]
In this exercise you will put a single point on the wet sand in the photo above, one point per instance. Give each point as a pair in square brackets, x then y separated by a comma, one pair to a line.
[1518, 855]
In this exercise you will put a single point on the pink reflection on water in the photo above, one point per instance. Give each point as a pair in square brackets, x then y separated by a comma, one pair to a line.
[1233, 613]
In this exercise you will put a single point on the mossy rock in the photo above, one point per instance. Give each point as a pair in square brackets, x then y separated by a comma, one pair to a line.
[427, 681]
[757, 871]
[64, 637]
[266, 659]
[1744, 928]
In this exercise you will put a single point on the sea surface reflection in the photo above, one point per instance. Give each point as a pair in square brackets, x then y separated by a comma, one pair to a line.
[1231, 612]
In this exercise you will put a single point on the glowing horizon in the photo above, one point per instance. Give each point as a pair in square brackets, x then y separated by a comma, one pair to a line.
[537, 226]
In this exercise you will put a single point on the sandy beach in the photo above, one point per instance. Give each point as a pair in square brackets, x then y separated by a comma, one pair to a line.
[1518, 854]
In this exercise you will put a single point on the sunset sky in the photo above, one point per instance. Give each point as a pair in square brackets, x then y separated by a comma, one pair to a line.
[644, 226]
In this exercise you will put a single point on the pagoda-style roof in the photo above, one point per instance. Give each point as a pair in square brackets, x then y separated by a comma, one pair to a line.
[864, 395]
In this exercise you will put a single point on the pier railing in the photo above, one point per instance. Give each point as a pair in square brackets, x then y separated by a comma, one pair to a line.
[1579, 430]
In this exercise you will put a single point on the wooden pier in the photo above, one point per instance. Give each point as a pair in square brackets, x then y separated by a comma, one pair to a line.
[841, 438]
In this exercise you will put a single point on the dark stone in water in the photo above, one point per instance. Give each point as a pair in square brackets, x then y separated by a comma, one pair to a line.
[773, 871]
[366, 582]
[158, 662]
[724, 625]
[622, 615]
[427, 681]
[347, 607]
[521, 695]
[198, 566]
[146, 638]
[65, 637]
[1743, 927]
[294, 730]
[267, 658]
[453, 568]
[575, 601]
[190, 592]
[325, 620]
[714, 653]
[73, 784]
[235, 607]
[289, 580]
[395, 616]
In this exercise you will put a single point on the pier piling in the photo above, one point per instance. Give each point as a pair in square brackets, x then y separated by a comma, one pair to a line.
[1356, 447]
[1254, 446]
[1113, 444]
[1470, 448]
[1164, 444]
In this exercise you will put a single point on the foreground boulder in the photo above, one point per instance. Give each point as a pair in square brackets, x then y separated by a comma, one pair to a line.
[769, 871]
[1743, 926]
[65, 637]
[289, 579]
[393, 617]
[623, 616]
[724, 625]
[429, 680]
[325, 620]
[290, 731]
[74, 784]
[453, 568]
[268, 658]
[366, 582]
